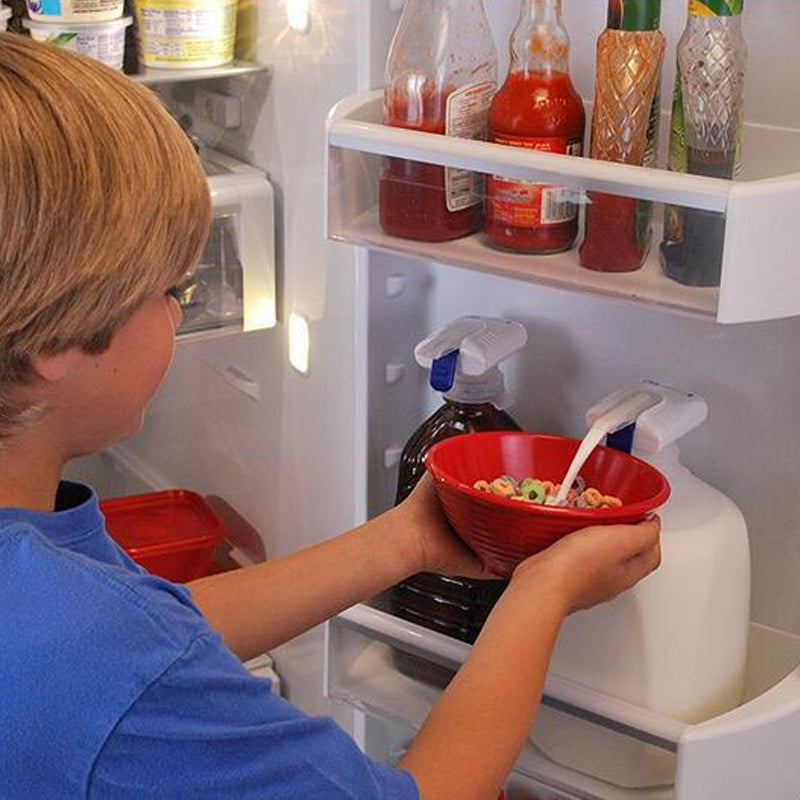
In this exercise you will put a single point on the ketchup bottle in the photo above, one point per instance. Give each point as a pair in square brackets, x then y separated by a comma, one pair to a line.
[440, 77]
[537, 108]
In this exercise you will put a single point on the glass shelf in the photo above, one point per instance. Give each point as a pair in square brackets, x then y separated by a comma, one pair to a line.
[156, 77]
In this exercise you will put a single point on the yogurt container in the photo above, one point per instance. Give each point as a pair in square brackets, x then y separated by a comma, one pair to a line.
[74, 10]
[5, 16]
[186, 34]
[104, 41]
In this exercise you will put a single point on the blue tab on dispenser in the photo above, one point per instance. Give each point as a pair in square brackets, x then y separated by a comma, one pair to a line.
[622, 439]
[443, 371]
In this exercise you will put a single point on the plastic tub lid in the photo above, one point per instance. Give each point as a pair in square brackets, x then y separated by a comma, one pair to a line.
[122, 22]
[159, 522]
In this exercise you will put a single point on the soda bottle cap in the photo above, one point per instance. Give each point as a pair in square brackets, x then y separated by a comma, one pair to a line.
[634, 15]
[716, 8]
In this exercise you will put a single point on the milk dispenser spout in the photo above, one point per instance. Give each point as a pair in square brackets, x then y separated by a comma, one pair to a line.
[676, 643]
[614, 417]
[672, 415]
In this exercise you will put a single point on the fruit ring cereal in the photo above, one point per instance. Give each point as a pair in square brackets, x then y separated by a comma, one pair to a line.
[533, 490]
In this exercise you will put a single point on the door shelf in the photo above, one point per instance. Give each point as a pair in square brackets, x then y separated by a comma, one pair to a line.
[745, 753]
[233, 287]
[759, 276]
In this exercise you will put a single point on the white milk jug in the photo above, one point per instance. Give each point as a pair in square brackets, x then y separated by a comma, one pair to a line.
[676, 643]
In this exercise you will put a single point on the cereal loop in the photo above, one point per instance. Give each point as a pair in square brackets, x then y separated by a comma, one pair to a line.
[593, 497]
[502, 487]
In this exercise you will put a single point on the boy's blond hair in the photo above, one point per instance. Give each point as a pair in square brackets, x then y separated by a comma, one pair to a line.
[102, 203]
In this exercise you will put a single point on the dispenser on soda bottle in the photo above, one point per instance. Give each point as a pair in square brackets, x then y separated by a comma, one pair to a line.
[463, 358]
[676, 643]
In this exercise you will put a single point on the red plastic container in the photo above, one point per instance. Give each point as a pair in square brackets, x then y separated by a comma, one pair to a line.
[504, 532]
[171, 534]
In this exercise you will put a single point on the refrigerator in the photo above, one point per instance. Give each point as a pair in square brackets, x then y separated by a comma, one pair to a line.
[291, 414]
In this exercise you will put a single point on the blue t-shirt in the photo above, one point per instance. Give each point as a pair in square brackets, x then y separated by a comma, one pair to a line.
[113, 686]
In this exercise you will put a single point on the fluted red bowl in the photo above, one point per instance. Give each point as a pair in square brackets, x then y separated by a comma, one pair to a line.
[504, 532]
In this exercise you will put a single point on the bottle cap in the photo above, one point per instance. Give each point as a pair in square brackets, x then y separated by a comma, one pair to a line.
[634, 15]
[716, 8]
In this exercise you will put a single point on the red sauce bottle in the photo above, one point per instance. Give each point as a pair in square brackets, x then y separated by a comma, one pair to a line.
[538, 108]
[440, 77]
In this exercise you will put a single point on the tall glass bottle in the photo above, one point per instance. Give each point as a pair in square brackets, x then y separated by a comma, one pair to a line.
[441, 74]
[538, 108]
[706, 133]
[630, 54]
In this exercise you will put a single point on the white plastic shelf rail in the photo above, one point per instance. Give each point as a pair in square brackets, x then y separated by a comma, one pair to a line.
[749, 752]
[760, 278]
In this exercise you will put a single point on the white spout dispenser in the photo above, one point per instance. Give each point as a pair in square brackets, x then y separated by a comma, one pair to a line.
[463, 357]
[675, 414]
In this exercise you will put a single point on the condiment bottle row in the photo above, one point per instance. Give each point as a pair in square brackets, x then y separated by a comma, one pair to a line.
[441, 77]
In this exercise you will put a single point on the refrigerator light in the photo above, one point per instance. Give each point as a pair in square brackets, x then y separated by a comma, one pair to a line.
[299, 342]
[298, 16]
[260, 312]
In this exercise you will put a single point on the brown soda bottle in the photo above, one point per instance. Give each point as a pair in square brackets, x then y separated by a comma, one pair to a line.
[463, 358]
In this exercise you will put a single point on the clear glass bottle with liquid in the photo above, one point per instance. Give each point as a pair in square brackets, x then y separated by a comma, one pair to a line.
[706, 134]
[441, 74]
[630, 55]
[537, 108]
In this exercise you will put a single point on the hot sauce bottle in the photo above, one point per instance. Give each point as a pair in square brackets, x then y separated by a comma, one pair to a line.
[537, 108]
[440, 77]
[630, 53]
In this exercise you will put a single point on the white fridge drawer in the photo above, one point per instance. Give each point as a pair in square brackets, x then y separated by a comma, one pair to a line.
[758, 212]
[746, 753]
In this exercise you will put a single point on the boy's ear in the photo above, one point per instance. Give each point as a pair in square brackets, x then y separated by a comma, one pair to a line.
[52, 368]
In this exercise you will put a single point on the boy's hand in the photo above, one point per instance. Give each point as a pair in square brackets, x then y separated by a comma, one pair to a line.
[595, 564]
[438, 547]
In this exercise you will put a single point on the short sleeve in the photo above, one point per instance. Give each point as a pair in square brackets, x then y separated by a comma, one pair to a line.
[206, 728]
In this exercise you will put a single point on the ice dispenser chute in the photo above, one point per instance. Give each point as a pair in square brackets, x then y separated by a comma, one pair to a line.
[676, 643]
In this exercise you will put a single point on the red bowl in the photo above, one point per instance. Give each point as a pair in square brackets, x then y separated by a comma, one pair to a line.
[504, 532]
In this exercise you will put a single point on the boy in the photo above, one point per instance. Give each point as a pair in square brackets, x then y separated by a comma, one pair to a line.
[116, 684]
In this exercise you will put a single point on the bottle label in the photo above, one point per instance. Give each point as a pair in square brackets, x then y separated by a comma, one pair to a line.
[634, 15]
[466, 118]
[527, 204]
[715, 8]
